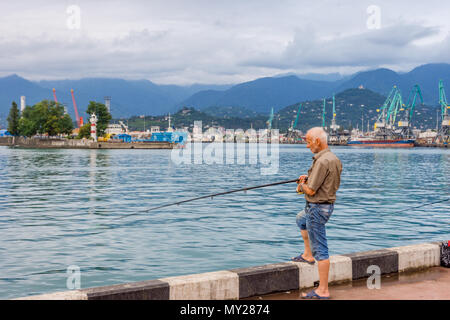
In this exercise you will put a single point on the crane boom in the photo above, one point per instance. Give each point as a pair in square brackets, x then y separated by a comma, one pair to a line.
[334, 108]
[269, 122]
[54, 95]
[394, 107]
[323, 114]
[383, 114]
[296, 118]
[411, 104]
[75, 108]
[443, 100]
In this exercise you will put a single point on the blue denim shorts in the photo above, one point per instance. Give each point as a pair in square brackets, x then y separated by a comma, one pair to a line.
[313, 219]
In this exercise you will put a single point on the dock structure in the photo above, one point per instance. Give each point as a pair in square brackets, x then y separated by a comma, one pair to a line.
[428, 284]
[256, 282]
[44, 143]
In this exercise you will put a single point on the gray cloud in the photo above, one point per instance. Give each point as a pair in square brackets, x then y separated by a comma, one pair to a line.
[394, 45]
[216, 41]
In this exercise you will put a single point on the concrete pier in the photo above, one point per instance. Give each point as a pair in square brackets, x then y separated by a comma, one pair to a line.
[429, 284]
[35, 143]
[257, 282]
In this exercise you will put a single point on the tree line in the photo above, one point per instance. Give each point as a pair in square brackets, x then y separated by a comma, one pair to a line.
[49, 118]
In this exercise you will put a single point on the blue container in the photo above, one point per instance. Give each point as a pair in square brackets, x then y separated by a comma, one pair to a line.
[174, 137]
[5, 133]
[123, 136]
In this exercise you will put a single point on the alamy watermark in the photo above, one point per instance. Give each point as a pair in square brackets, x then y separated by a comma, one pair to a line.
[228, 146]
[374, 281]
[73, 21]
[374, 19]
[73, 277]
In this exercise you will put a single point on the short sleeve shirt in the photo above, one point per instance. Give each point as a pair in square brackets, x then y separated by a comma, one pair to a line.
[324, 177]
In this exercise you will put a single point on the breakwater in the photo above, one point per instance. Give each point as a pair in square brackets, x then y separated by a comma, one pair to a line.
[259, 280]
[45, 143]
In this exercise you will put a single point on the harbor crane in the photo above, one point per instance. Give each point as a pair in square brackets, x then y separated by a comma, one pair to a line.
[78, 118]
[296, 118]
[54, 95]
[384, 126]
[292, 134]
[333, 134]
[124, 127]
[269, 122]
[381, 120]
[323, 114]
[405, 123]
[395, 106]
[444, 132]
[334, 127]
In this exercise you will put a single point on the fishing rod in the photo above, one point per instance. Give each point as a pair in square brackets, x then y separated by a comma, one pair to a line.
[215, 195]
[223, 193]
[251, 188]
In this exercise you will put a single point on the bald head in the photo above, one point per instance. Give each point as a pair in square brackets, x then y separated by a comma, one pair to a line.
[316, 139]
[318, 133]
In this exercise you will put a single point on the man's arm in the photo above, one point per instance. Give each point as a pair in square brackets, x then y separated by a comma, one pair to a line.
[303, 187]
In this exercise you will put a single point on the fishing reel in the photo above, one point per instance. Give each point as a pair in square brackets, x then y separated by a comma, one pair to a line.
[300, 192]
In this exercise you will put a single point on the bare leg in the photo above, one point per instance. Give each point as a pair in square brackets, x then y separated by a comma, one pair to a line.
[307, 254]
[324, 268]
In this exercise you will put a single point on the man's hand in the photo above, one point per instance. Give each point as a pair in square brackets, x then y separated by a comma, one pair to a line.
[302, 179]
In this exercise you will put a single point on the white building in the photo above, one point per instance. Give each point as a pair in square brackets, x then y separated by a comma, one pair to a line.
[114, 128]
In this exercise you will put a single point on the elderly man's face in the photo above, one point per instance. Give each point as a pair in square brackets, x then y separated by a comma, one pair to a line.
[312, 143]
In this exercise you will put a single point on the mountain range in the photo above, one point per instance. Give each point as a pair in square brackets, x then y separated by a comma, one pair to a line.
[262, 94]
[136, 97]
[354, 108]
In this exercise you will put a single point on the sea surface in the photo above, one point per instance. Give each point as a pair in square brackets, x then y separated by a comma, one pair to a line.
[88, 209]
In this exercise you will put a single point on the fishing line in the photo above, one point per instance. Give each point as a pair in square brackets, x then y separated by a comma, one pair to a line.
[424, 204]
[257, 187]
[212, 196]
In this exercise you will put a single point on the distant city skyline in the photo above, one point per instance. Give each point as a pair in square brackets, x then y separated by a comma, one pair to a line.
[217, 42]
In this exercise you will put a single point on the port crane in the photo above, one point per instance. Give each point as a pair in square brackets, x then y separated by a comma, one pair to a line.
[78, 118]
[405, 123]
[124, 127]
[291, 131]
[384, 126]
[296, 118]
[54, 95]
[323, 114]
[269, 122]
[394, 107]
[444, 132]
[333, 134]
[382, 117]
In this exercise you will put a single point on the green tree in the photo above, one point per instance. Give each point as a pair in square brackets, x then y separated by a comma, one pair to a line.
[85, 131]
[13, 119]
[102, 114]
[66, 125]
[27, 124]
[45, 117]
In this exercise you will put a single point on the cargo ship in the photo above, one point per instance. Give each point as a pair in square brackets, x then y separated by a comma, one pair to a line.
[381, 143]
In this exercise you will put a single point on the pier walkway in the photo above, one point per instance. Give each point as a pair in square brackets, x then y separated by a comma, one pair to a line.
[429, 284]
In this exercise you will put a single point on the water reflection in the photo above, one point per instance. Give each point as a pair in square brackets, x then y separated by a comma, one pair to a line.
[99, 180]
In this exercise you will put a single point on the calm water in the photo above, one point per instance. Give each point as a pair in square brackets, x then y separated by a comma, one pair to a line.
[62, 207]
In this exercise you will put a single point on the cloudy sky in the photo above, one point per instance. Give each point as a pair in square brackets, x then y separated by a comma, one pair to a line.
[208, 41]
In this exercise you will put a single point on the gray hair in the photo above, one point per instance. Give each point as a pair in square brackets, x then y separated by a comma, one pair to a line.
[318, 132]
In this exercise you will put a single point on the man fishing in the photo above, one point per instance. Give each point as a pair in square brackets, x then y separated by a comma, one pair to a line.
[319, 187]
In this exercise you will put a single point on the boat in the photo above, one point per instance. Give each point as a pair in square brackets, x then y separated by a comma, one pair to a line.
[382, 143]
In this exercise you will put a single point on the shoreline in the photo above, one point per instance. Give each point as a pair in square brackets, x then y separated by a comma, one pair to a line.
[249, 282]
[35, 143]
